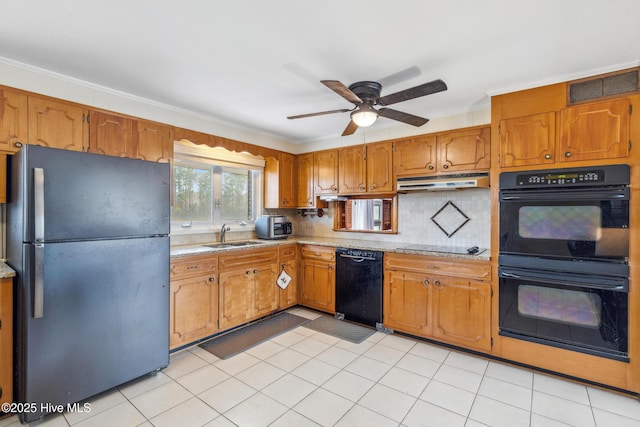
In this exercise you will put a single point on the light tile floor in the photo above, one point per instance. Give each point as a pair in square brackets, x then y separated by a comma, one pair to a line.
[304, 378]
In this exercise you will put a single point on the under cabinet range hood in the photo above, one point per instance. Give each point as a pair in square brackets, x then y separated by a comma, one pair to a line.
[442, 182]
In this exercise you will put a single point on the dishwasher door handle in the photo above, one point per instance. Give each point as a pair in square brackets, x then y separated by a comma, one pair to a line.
[358, 258]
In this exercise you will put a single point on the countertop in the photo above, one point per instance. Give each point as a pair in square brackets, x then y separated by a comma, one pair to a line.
[199, 249]
[6, 271]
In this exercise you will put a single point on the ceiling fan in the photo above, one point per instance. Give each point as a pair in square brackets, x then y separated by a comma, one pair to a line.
[366, 94]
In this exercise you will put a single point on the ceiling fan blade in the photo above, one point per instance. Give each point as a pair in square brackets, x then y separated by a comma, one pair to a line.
[402, 117]
[414, 92]
[341, 90]
[302, 116]
[400, 76]
[350, 129]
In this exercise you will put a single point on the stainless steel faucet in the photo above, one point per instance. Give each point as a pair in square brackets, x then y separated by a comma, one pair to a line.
[223, 232]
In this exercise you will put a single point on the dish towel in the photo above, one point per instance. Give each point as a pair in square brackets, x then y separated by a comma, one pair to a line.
[283, 280]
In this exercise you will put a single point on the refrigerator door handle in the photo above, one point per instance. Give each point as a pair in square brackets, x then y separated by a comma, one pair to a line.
[38, 288]
[38, 203]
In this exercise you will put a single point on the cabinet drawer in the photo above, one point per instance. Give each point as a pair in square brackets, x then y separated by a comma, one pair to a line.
[247, 258]
[287, 253]
[192, 266]
[326, 253]
[463, 268]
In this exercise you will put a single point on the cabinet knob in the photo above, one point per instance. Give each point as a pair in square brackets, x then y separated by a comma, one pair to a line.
[437, 283]
[247, 272]
[426, 282]
[373, 187]
[18, 144]
[430, 167]
[547, 156]
[285, 202]
[445, 166]
[255, 271]
[212, 279]
[567, 154]
[361, 187]
[330, 268]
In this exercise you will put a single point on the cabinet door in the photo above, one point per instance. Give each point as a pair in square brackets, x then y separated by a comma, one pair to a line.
[152, 142]
[407, 302]
[287, 180]
[193, 309]
[317, 285]
[306, 198]
[288, 297]
[462, 313]
[265, 290]
[464, 150]
[235, 297]
[57, 124]
[352, 170]
[13, 120]
[111, 135]
[380, 167]
[594, 131]
[6, 340]
[415, 156]
[529, 140]
[325, 172]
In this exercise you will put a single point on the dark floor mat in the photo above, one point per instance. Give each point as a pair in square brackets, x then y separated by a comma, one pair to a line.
[232, 343]
[340, 329]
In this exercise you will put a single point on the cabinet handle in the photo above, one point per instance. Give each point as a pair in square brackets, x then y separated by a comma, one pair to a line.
[430, 167]
[247, 272]
[373, 187]
[426, 282]
[547, 156]
[212, 279]
[330, 268]
[567, 154]
[18, 144]
[361, 187]
[433, 267]
[255, 271]
[438, 284]
[284, 266]
[445, 166]
[193, 267]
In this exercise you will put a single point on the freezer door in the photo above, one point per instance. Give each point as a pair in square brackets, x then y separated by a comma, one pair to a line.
[69, 195]
[104, 318]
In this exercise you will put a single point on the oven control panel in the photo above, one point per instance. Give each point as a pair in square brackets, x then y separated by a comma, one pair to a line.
[560, 178]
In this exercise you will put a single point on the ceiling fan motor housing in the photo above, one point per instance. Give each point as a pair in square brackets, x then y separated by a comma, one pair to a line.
[368, 92]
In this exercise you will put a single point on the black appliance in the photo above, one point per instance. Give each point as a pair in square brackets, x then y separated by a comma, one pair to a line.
[359, 286]
[563, 264]
[88, 237]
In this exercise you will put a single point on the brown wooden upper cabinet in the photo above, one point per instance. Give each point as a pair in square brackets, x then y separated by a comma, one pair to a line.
[13, 120]
[594, 131]
[325, 172]
[528, 140]
[111, 135]
[152, 142]
[306, 187]
[280, 179]
[366, 169]
[57, 124]
[460, 150]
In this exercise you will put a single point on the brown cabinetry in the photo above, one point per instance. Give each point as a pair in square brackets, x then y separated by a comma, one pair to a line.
[6, 340]
[13, 120]
[280, 179]
[152, 142]
[594, 131]
[248, 287]
[57, 124]
[288, 258]
[325, 172]
[466, 149]
[193, 305]
[528, 140]
[306, 188]
[317, 285]
[111, 135]
[366, 169]
[448, 301]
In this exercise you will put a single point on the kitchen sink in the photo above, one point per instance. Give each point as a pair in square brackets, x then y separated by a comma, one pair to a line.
[238, 243]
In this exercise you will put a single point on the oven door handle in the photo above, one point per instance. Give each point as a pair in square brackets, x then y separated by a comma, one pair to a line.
[620, 287]
[555, 195]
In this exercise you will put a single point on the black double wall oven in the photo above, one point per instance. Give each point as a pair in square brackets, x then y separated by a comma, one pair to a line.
[563, 264]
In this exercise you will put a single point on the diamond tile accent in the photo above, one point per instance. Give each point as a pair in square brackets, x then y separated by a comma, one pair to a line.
[450, 219]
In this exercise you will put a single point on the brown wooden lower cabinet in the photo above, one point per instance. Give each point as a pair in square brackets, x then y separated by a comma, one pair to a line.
[6, 340]
[288, 258]
[193, 305]
[317, 285]
[442, 300]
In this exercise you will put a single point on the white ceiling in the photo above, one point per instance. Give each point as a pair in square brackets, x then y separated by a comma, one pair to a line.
[252, 63]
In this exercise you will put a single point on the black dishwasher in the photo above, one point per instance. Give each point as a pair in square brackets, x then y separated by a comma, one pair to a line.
[359, 286]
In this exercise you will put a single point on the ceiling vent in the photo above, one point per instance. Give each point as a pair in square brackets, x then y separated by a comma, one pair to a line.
[604, 86]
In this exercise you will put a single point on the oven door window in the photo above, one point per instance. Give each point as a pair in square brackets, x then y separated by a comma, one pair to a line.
[595, 230]
[564, 306]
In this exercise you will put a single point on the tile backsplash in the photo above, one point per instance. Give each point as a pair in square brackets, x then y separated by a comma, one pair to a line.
[414, 220]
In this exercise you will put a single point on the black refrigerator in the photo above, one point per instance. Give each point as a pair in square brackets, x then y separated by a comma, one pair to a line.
[88, 237]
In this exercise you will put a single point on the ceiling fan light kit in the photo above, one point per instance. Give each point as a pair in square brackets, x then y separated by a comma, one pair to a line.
[365, 94]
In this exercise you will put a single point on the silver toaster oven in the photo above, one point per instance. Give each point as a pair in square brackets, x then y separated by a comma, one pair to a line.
[273, 227]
